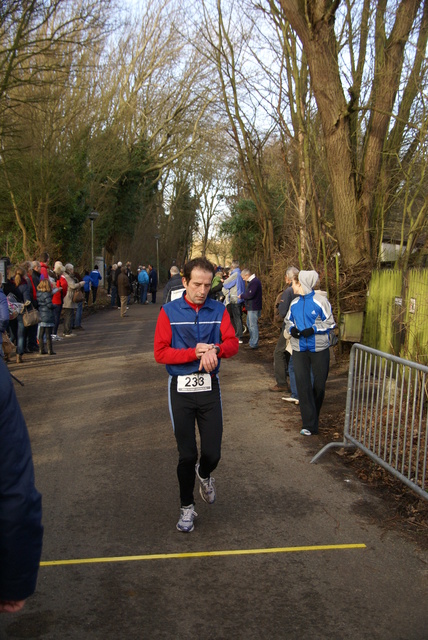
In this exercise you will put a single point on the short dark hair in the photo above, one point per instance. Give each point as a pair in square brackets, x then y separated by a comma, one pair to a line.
[197, 263]
[44, 257]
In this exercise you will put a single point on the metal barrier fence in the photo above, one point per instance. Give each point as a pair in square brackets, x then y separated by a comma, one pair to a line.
[386, 414]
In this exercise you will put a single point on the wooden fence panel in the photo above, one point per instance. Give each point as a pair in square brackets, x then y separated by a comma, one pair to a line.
[416, 319]
[396, 319]
[381, 330]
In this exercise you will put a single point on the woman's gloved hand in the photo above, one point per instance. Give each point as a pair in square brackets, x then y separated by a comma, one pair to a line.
[307, 333]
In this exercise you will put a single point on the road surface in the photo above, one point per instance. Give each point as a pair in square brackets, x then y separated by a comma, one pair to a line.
[289, 550]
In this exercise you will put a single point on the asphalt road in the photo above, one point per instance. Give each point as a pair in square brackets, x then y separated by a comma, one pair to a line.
[265, 561]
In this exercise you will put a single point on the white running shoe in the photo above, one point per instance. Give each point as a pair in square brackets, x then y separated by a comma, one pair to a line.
[206, 487]
[187, 515]
[290, 399]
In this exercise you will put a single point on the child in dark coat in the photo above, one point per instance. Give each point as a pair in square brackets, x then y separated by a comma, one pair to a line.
[47, 318]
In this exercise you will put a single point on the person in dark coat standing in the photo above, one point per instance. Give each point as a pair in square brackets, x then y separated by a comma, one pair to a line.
[21, 530]
[153, 282]
[123, 290]
[281, 357]
[175, 283]
[253, 304]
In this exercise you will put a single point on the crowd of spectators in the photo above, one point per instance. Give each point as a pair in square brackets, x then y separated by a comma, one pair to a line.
[35, 297]
[300, 357]
[137, 289]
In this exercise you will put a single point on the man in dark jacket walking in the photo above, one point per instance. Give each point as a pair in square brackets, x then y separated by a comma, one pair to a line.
[21, 530]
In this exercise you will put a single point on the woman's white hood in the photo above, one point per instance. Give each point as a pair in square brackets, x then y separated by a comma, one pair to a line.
[308, 280]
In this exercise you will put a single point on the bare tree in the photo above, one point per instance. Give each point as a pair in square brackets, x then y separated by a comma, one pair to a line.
[212, 177]
[225, 46]
[43, 58]
[355, 155]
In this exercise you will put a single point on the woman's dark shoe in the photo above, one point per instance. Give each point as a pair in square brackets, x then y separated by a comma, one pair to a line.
[51, 352]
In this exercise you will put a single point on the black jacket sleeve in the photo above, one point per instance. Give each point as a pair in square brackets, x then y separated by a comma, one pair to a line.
[21, 530]
[286, 299]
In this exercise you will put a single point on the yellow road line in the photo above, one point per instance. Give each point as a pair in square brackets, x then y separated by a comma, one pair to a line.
[204, 554]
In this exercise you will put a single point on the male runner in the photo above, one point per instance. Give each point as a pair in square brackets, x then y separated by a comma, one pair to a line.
[192, 333]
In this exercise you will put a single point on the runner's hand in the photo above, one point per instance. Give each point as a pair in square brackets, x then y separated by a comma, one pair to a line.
[201, 348]
[209, 360]
[11, 606]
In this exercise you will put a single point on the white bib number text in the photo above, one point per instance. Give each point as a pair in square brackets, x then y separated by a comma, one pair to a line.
[194, 382]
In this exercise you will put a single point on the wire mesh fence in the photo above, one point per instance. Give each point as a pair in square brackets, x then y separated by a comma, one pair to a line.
[386, 414]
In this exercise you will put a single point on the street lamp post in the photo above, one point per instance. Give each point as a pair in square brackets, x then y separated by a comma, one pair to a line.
[157, 253]
[92, 217]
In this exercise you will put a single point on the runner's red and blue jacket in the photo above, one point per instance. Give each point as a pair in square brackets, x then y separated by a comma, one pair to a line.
[182, 325]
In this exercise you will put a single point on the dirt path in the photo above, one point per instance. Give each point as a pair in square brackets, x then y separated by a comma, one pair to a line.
[289, 550]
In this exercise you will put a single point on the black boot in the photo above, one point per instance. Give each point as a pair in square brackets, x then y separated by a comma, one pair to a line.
[42, 352]
[51, 352]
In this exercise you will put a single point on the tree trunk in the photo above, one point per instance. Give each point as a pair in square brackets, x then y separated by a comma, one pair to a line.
[19, 220]
[316, 31]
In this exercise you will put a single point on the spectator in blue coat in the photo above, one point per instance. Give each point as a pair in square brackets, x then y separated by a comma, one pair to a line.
[143, 281]
[95, 276]
[309, 321]
[21, 531]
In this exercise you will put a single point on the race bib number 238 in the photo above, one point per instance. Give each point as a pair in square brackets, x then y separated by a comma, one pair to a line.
[194, 382]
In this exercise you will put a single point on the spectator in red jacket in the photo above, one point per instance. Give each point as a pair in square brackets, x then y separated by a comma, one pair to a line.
[58, 296]
[44, 261]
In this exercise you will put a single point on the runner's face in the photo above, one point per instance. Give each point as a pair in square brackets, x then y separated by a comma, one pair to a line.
[198, 286]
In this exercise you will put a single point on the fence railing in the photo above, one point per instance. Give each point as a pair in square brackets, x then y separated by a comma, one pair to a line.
[386, 414]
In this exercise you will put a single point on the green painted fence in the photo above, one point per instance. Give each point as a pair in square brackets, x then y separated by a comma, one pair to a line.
[396, 319]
